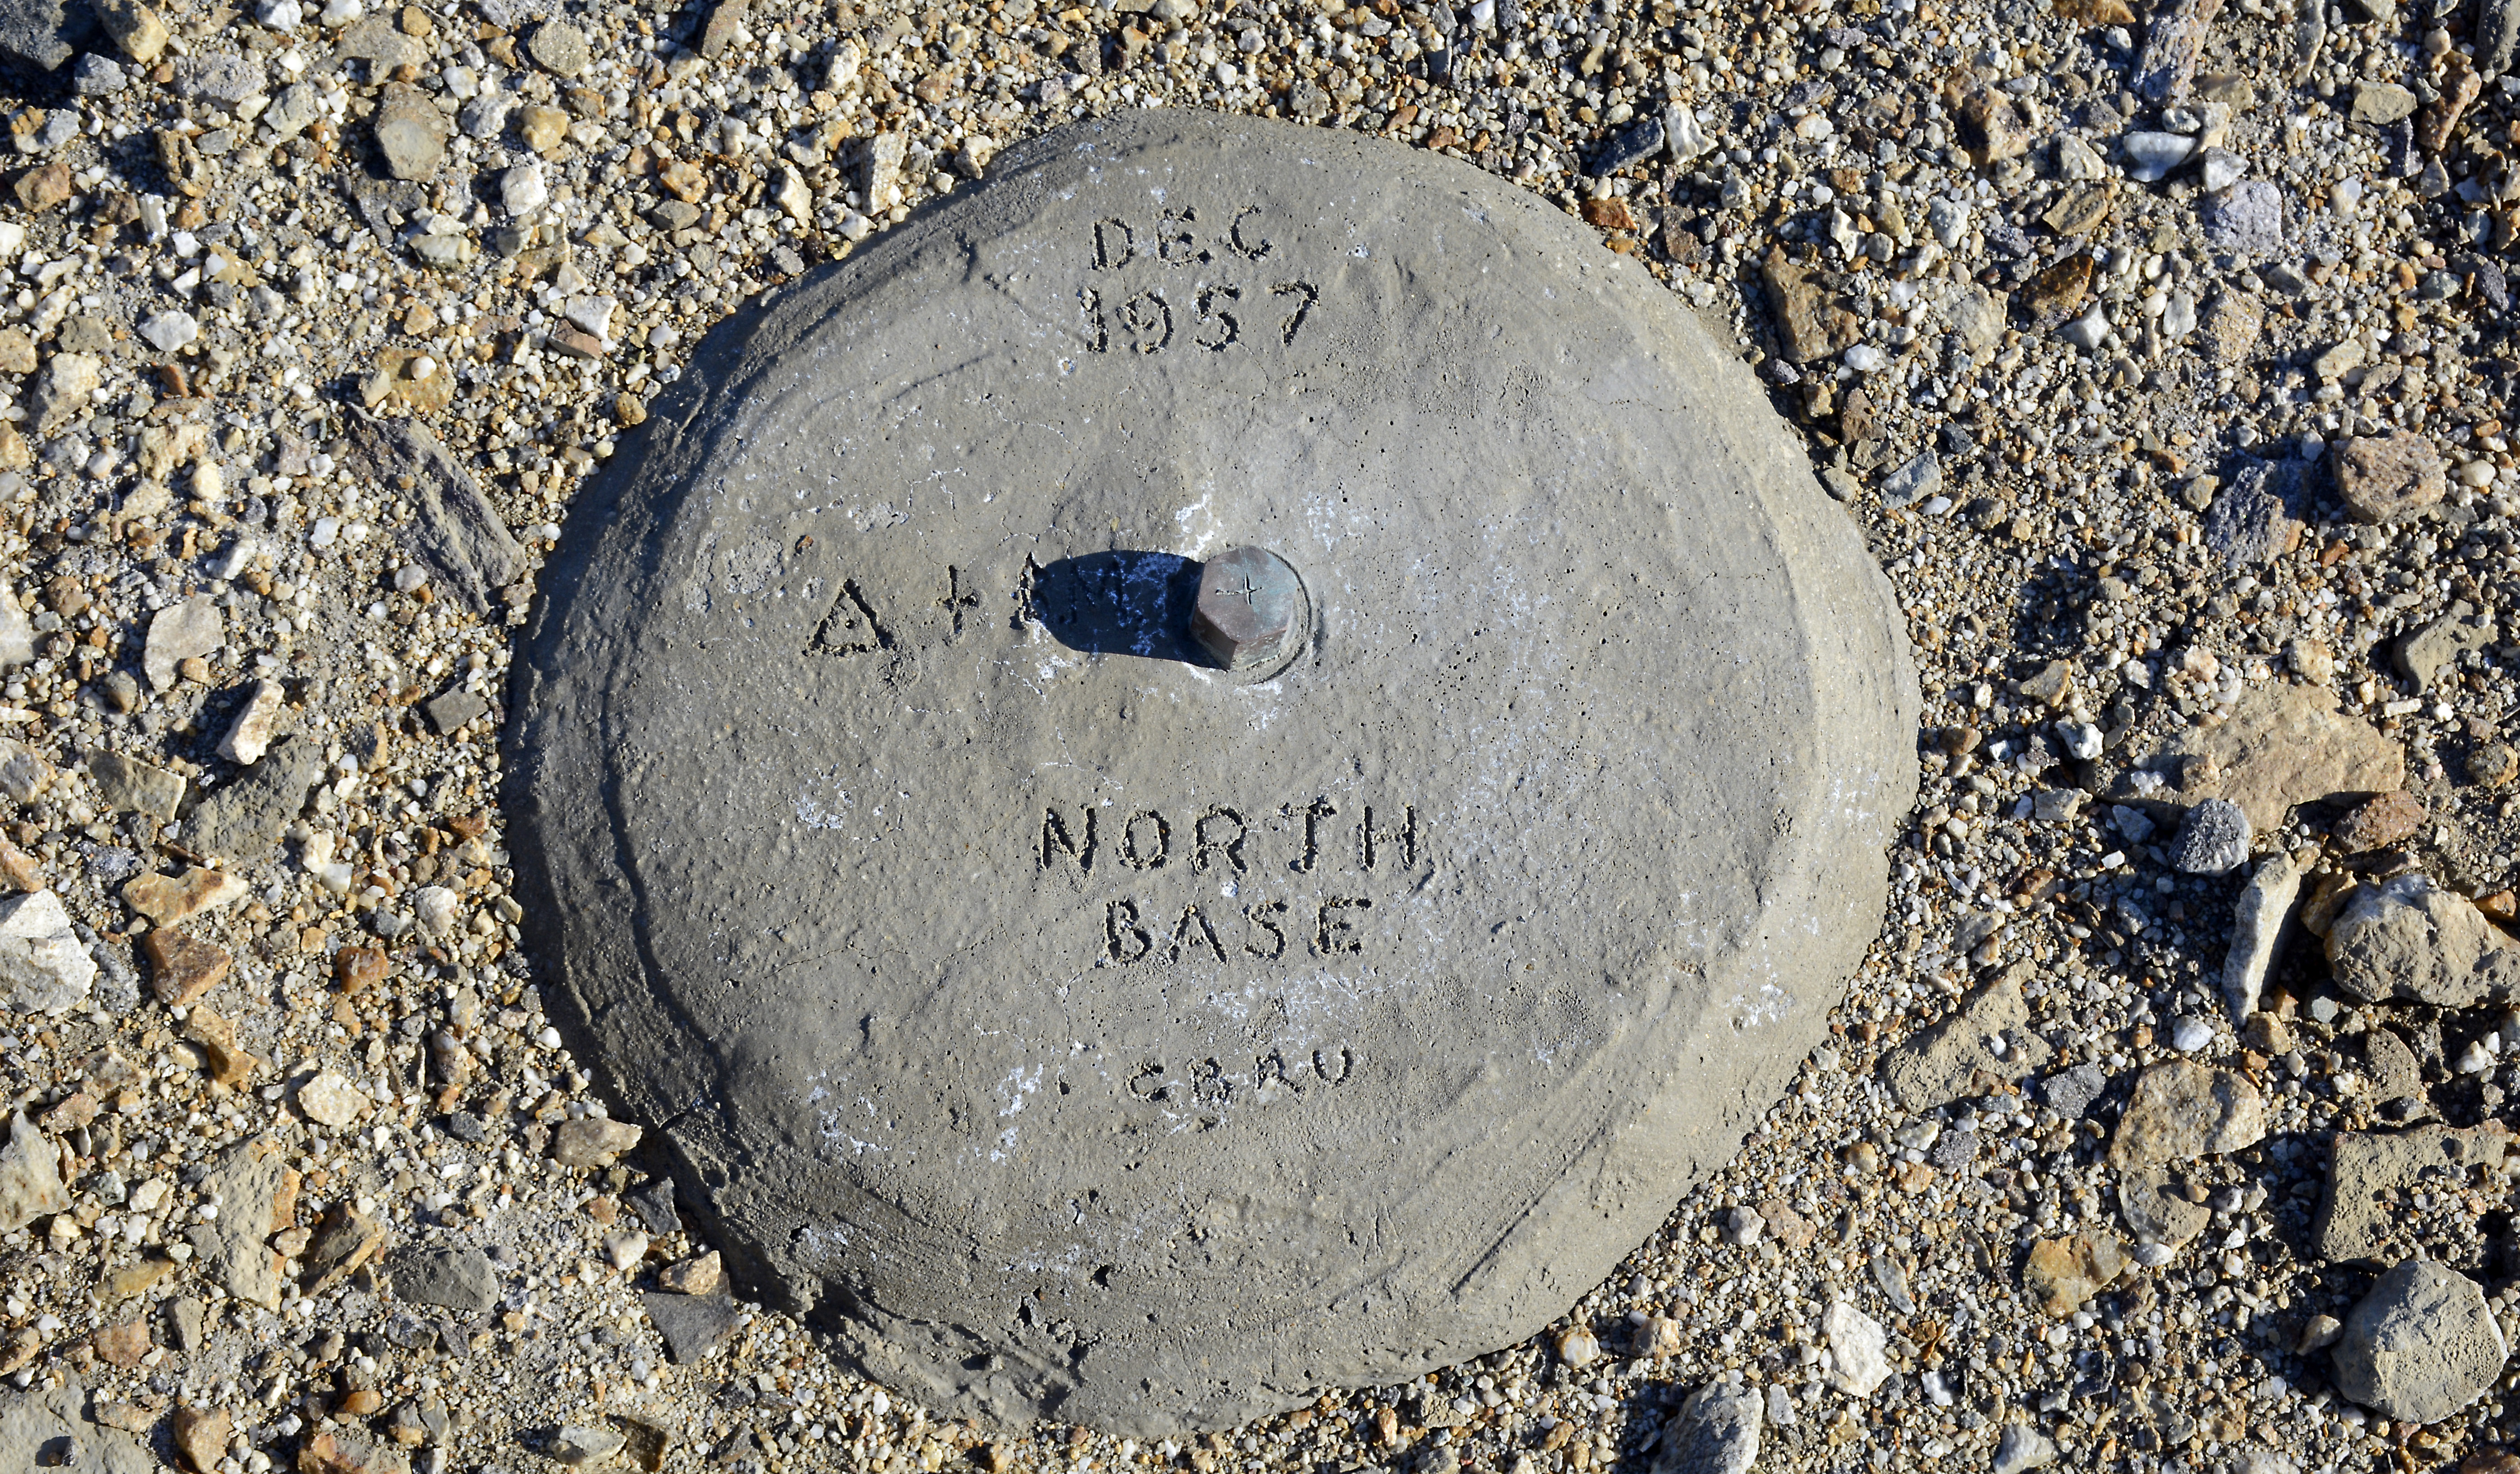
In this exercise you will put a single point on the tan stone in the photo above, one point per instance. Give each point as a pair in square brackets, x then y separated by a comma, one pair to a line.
[2379, 822]
[2182, 1109]
[169, 899]
[182, 967]
[121, 1346]
[202, 1437]
[592, 1142]
[2371, 1177]
[2061, 1273]
[2283, 746]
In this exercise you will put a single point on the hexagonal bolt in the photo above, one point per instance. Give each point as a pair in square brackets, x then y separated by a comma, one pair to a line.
[1252, 608]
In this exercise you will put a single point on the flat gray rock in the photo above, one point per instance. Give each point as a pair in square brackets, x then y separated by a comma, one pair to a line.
[692, 1325]
[461, 1279]
[241, 821]
[233, 1247]
[1075, 1028]
[51, 1431]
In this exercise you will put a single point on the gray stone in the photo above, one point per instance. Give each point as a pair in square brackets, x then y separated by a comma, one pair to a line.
[2256, 923]
[452, 710]
[242, 821]
[2246, 219]
[44, 33]
[1639, 142]
[1358, 1154]
[2497, 36]
[2408, 939]
[1920, 478]
[2174, 38]
[411, 133]
[2070, 1092]
[133, 786]
[692, 1325]
[50, 1430]
[2258, 517]
[294, 110]
[44, 966]
[377, 40]
[31, 1176]
[2156, 1212]
[25, 775]
[460, 1279]
[1715, 1431]
[654, 1205]
[2421, 1345]
[559, 48]
[2373, 1175]
[1960, 1056]
[231, 1247]
[454, 529]
[226, 78]
[2213, 839]
[188, 628]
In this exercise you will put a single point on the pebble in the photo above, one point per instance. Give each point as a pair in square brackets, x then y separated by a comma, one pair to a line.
[2151, 157]
[559, 48]
[411, 133]
[2246, 218]
[2022, 1447]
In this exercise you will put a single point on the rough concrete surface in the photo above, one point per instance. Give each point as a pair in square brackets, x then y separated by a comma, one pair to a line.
[1080, 1031]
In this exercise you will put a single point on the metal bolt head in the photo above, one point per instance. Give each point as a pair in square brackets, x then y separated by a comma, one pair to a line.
[1252, 608]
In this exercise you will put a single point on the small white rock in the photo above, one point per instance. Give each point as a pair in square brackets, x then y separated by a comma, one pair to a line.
[170, 329]
[1857, 1347]
[523, 189]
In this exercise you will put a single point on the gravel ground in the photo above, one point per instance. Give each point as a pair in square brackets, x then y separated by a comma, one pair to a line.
[2161, 359]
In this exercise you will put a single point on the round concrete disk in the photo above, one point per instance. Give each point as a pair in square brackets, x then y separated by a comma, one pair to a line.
[1079, 1031]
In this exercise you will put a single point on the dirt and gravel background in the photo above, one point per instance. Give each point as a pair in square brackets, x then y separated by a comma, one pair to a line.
[2162, 359]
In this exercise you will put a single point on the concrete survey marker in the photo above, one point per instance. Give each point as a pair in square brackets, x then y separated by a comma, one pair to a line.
[1104, 980]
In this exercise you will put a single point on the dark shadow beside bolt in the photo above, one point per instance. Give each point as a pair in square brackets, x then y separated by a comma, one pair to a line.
[1121, 604]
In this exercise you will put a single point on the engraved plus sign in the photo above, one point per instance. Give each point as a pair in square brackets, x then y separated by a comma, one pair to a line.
[1249, 593]
[957, 599]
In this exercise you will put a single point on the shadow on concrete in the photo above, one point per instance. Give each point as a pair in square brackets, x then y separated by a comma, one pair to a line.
[1120, 603]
